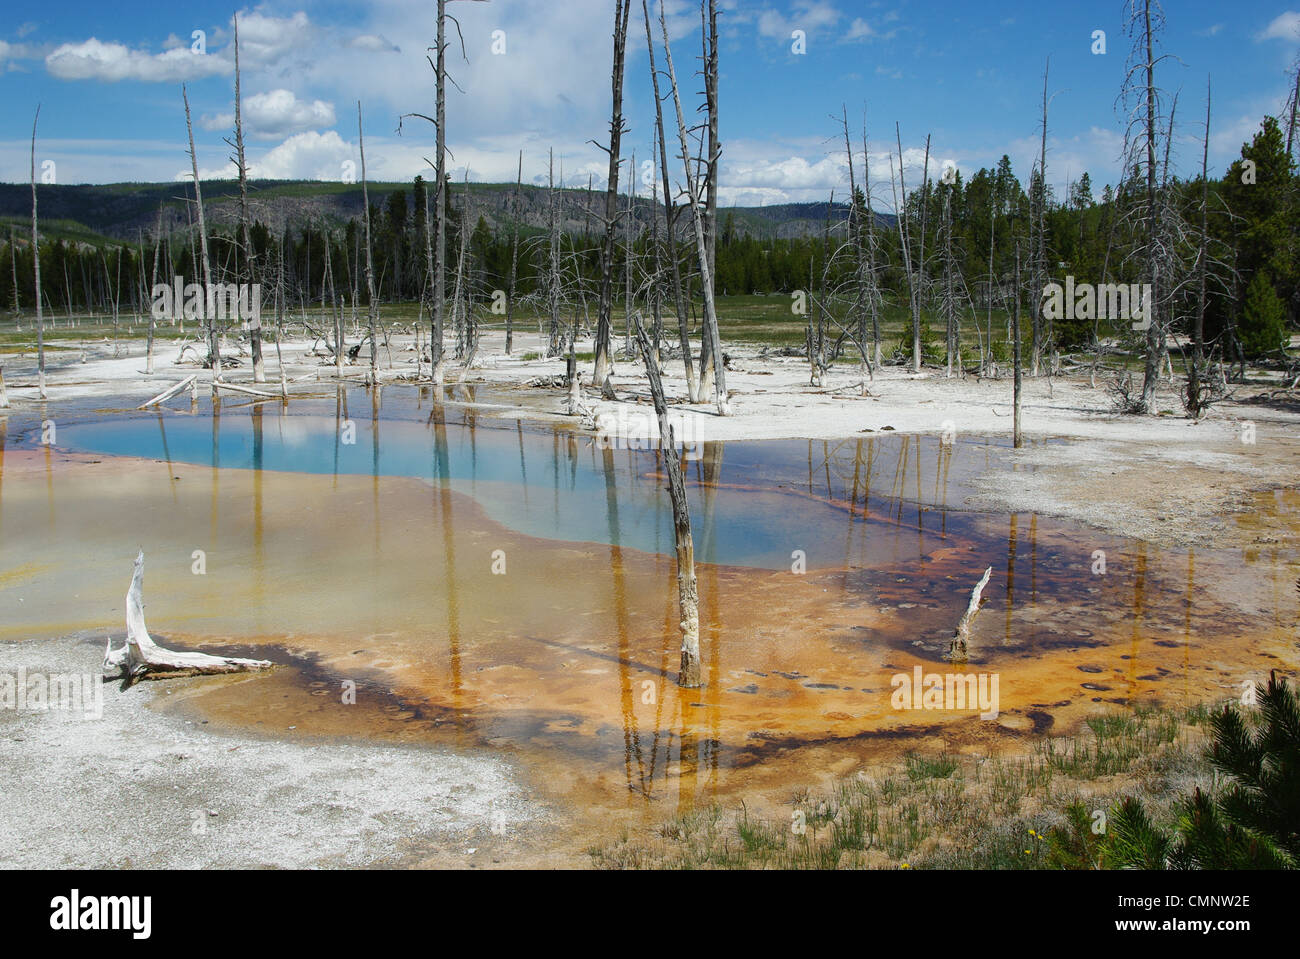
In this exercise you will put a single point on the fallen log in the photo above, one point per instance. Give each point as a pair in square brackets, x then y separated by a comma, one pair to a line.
[961, 636]
[244, 389]
[169, 393]
[140, 655]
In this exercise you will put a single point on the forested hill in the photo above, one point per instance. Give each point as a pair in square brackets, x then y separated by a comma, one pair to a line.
[123, 211]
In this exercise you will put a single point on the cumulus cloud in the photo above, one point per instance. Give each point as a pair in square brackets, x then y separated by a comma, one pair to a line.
[303, 156]
[264, 40]
[277, 113]
[1285, 26]
[111, 62]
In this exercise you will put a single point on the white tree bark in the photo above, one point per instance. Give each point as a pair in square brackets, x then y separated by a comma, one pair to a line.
[957, 651]
[139, 654]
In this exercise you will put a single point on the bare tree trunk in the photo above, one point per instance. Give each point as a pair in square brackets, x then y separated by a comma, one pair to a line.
[157, 250]
[254, 322]
[336, 312]
[1017, 437]
[36, 266]
[553, 272]
[1151, 370]
[370, 267]
[440, 201]
[957, 649]
[874, 299]
[1038, 249]
[604, 319]
[214, 352]
[900, 208]
[920, 260]
[710, 346]
[514, 259]
[1202, 252]
[139, 654]
[628, 257]
[688, 602]
[670, 218]
[692, 189]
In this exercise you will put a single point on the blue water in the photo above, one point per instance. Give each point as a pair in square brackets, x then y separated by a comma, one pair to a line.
[867, 501]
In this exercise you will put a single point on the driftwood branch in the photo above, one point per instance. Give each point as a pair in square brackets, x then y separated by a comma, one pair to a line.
[957, 650]
[140, 655]
[169, 393]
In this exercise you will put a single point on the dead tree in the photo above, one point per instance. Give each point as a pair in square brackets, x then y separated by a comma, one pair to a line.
[437, 251]
[1017, 437]
[670, 219]
[958, 648]
[688, 601]
[1142, 96]
[1038, 243]
[157, 251]
[1194, 397]
[701, 247]
[370, 267]
[866, 292]
[629, 256]
[901, 219]
[214, 353]
[254, 322]
[139, 656]
[617, 127]
[36, 268]
[514, 258]
[553, 281]
[710, 345]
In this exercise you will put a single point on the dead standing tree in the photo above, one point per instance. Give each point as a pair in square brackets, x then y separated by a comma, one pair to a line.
[214, 354]
[701, 244]
[688, 599]
[670, 220]
[36, 269]
[1142, 98]
[373, 308]
[1040, 336]
[710, 345]
[514, 258]
[436, 250]
[254, 322]
[604, 320]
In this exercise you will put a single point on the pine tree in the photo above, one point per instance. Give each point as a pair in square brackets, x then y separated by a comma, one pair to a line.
[1263, 318]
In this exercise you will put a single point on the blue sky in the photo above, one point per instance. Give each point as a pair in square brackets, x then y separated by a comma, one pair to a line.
[969, 75]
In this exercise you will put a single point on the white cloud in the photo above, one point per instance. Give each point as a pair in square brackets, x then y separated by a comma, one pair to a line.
[111, 62]
[276, 114]
[1211, 31]
[810, 16]
[859, 29]
[374, 43]
[265, 40]
[1285, 26]
[303, 156]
